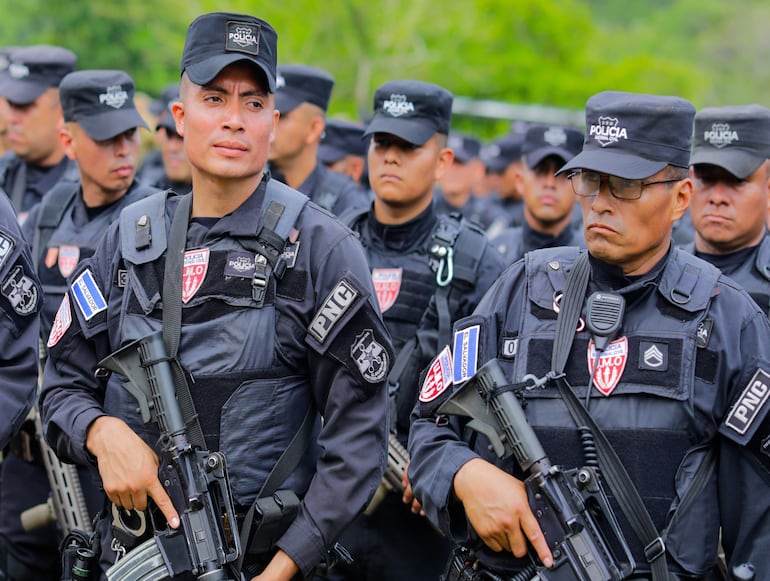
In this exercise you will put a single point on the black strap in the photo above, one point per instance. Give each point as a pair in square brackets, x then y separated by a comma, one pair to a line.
[614, 473]
[52, 209]
[172, 317]
[19, 186]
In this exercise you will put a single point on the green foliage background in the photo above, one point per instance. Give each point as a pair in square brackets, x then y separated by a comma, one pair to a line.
[545, 52]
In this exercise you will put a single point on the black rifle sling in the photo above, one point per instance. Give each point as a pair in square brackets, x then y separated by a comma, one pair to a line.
[614, 473]
[172, 316]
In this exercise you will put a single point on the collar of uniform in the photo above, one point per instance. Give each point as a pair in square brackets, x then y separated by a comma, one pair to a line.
[533, 239]
[729, 263]
[312, 182]
[240, 222]
[406, 236]
[610, 277]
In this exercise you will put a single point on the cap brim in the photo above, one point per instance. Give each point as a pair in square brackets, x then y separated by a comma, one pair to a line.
[407, 129]
[330, 153]
[21, 92]
[286, 102]
[623, 165]
[111, 123]
[535, 157]
[738, 162]
[204, 72]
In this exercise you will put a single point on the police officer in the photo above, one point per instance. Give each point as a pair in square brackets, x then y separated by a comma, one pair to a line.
[412, 252]
[548, 198]
[37, 159]
[20, 302]
[674, 390]
[302, 97]
[502, 160]
[173, 170]
[454, 191]
[343, 149]
[731, 180]
[278, 319]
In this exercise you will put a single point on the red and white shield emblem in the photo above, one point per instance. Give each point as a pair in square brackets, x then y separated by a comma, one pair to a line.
[68, 259]
[387, 283]
[439, 376]
[196, 263]
[611, 364]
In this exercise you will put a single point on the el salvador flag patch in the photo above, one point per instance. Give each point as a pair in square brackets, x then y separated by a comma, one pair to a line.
[87, 295]
[466, 353]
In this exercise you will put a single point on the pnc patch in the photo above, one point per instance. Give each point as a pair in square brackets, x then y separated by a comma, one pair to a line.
[6, 248]
[387, 284]
[61, 323]
[750, 403]
[610, 365]
[333, 308]
[439, 376]
[196, 264]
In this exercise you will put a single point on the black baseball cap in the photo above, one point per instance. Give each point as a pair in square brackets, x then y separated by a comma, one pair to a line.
[501, 153]
[411, 110]
[734, 138]
[218, 39]
[465, 147]
[633, 135]
[169, 94]
[101, 102]
[341, 138]
[540, 141]
[33, 69]
[297, 84]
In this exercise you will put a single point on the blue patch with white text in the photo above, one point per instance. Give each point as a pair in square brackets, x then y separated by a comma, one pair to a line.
[87, 295]
[466, 353]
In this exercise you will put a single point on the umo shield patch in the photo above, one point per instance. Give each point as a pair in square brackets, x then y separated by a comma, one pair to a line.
[196, 263]
[439, 376]
[333, 308]
[21, 291]
[6, 248]
[610, 365]
[370, 357]
[61, 323]
[68, 259]
[387, 284]
[750, 403]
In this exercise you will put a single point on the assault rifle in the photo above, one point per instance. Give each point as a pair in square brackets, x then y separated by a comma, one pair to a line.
[570, 505]
[206, 543]
[398, 460]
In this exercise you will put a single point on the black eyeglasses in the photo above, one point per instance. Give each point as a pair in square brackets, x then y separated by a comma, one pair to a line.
[586, 184]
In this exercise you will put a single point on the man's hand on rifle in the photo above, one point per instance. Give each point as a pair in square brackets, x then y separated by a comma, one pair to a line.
[128, 467]
[498, 510]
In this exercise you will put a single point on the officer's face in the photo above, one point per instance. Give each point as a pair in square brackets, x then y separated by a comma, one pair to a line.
[297, 130]
[33, 129]
[107, 168]
[461, 177]
[634, 234]
[402, 175]
[174, 158]
[227, 125]
[728, 213]
[548, 199]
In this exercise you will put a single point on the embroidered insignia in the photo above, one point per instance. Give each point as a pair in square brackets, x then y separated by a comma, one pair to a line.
[720, 135]
[122, 278]
[68, 259]
[115, 96]
[333, 308]
[653, 356]
[61, 323]
[289, 254]
[387, 284]
[750, 403]
[608, 130]
[6, 248]
[438, 377]
[370, 357]
[611, 365]
[703, 334]
[240, 264]
[51, 256]
[21, 291]
[466, 353]
[196, 263]
[243, 37]
[397, 105]
[87, 295]
[509, 348]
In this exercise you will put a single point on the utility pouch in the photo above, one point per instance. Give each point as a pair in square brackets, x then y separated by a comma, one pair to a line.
[272, 516]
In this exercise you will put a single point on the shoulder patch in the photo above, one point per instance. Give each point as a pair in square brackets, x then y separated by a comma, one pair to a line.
[61, 323]
[438, 378]
[466, 353]
[21, 291]
[88, 297]
[340, 299]
[370, 357]
[7, 244]
[750, 403]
